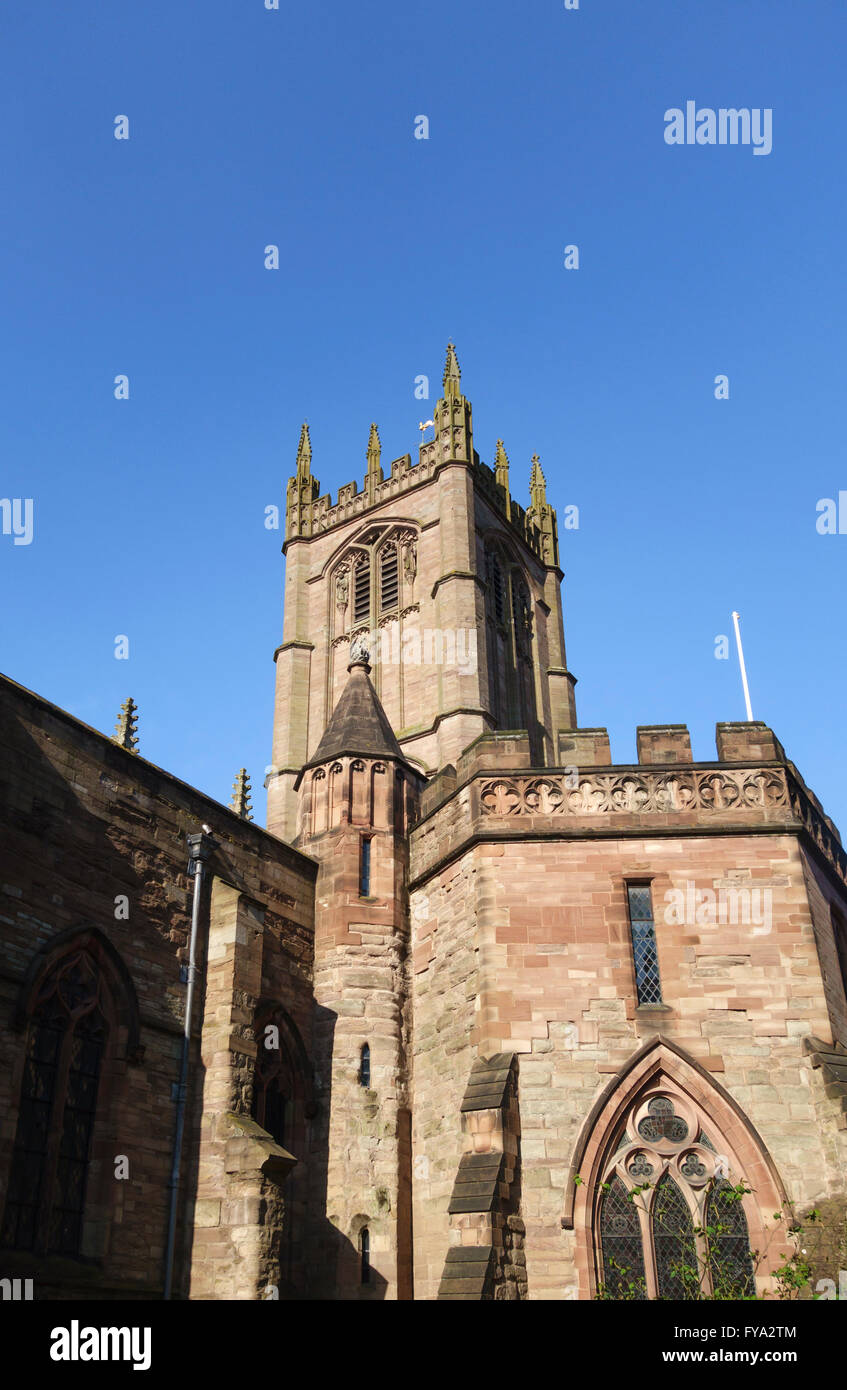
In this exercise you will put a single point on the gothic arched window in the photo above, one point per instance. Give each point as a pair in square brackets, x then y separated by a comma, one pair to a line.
[509, 641]
[369, 580]
[50, 1162]
[365, 1254]
[274, 1084]
[668, 1224]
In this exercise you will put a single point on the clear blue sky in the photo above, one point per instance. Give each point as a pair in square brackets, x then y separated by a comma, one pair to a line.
[295, 127]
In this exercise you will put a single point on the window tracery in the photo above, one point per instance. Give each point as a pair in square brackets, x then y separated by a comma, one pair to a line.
[58, 1106]
[668, 1224]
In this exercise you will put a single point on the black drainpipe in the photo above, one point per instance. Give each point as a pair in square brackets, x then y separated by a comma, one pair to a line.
[201, 847]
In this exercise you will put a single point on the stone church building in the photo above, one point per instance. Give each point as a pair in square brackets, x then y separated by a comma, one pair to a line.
[473, 986]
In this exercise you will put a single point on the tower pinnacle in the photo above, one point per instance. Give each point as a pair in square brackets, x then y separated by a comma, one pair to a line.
[452, 379]
[501, 475]
[304, 453]
[537, 485]
[374, 473]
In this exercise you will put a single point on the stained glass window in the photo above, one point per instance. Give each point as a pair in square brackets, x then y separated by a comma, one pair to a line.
[661, 1122]
[620, 1240]
[660, 1190]
[47, 1181]
[729, 1244]
[645, 954]
[673, 1243]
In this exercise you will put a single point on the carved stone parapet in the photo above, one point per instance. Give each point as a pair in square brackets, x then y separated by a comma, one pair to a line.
[639, 793]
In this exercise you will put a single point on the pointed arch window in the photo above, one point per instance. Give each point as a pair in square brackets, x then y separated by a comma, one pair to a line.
[273, 1085]
[668, 1224]
[281, 1094]
[365, 1255]
[369, 580]
[50, 1162]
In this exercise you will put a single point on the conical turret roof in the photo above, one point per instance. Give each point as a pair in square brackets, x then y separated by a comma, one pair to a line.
[358, 726]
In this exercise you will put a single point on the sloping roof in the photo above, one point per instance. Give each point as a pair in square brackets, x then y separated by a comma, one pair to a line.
[359, 725]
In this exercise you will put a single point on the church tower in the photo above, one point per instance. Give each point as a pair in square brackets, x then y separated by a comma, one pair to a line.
[454, 587]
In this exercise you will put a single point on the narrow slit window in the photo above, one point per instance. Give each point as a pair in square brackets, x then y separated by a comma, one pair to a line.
[362, 592]
[645, 954]
[365, 867]
[365, 1066]
[389, 583]
[365, 1254]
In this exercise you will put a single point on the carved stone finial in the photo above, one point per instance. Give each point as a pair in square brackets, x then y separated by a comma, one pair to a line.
[304, 453]
[125, 729]
[360, 654]
[241, 794]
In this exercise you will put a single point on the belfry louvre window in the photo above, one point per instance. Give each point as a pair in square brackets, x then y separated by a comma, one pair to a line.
[389, 580]
[645, 954]
[362, 592]
[49, 1171]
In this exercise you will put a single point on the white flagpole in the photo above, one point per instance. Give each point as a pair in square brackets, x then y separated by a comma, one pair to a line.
[735, 618]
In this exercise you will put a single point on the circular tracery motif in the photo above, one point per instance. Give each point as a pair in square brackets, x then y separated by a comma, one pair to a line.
[662, 1123]
[640, 1168]
[691, 1167]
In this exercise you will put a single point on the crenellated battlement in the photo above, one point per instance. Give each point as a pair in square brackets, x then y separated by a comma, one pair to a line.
[309, 514]
[752, 784]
